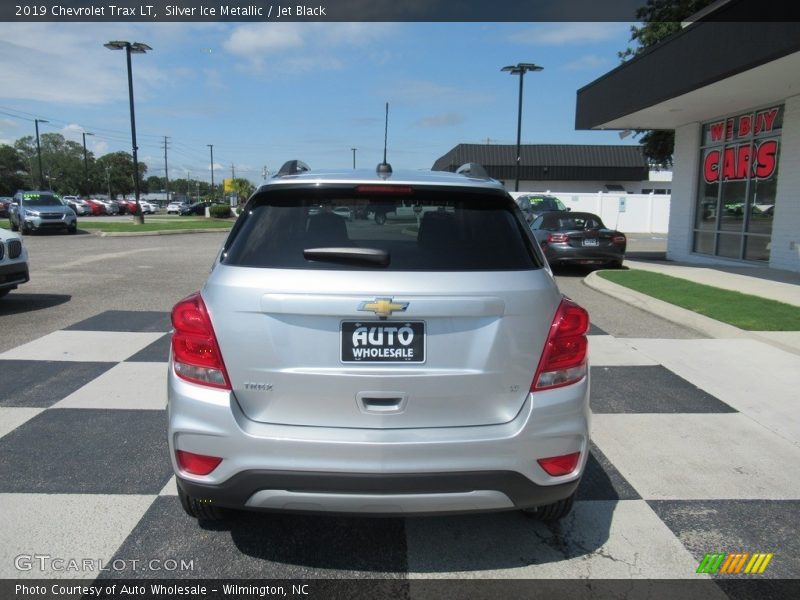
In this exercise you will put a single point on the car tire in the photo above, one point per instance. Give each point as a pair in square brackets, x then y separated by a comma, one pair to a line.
[72, 228]
[550, 513]
[380, 218]
[24, 230]
[198, 508]
[4, 292]
[615, 264]
[13, 227]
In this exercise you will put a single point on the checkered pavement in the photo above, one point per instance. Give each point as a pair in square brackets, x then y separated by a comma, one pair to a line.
[695, 449]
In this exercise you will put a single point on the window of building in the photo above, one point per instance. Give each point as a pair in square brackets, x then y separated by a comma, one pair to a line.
[738, 180]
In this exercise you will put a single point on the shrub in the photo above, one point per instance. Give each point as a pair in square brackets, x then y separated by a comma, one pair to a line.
[220, 211]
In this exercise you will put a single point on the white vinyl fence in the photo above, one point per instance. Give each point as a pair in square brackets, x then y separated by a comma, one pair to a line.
[629, 213]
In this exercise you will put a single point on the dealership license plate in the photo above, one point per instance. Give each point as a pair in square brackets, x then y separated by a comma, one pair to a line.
[591, 242]
[383, 341]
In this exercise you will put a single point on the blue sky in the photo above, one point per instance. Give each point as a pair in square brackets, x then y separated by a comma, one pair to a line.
[263, 93]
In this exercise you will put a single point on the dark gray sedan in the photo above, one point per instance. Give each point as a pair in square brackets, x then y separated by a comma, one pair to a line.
[578, 238]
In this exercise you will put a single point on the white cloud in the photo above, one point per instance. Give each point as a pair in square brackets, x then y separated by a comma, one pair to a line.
[299, 46]
[590, 61]
[100, 148]
[441, 120]
[560, 34]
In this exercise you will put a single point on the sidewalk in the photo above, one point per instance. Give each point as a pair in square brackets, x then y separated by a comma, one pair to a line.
[782, 286]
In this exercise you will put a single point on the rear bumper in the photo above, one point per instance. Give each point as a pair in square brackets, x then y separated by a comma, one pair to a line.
[378, 471]
[588, 255]
[379, 493]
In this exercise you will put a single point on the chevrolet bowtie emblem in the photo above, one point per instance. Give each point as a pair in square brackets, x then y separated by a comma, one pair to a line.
[383, 307]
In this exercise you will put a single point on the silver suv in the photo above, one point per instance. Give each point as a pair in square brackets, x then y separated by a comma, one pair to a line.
[38, 211]
[417, 366]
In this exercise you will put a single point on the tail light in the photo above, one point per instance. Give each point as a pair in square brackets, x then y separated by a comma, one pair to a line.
[564, 357]
[196, 464]
[195, 351]
[557, 238]
[560, 465]
[618, 239]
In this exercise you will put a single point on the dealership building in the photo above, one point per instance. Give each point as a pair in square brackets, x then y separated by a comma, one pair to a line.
[731, 91]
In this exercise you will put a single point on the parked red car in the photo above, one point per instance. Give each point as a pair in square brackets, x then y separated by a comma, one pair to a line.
[96, 208]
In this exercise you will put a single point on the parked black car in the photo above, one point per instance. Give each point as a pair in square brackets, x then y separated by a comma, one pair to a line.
[198, 208]
[578, 238]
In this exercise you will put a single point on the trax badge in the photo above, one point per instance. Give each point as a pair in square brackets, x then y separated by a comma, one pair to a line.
[383, 307]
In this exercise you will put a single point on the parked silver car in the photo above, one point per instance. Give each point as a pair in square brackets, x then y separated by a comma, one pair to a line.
[330, 365]
[38, 211]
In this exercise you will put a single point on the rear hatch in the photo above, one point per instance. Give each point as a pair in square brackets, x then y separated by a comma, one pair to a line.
[434, 321]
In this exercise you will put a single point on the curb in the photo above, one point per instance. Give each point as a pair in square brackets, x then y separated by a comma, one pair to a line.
[678, 315]
[159, 232]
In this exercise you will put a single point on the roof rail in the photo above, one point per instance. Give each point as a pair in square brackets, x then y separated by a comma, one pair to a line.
[473, 170]
[292, 167]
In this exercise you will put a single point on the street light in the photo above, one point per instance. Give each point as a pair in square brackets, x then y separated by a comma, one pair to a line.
[212, 170]
[132, 48]
[39, 152]
[85, 164]
[520, 69]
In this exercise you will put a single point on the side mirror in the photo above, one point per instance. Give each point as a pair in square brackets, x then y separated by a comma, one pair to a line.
[568, 209]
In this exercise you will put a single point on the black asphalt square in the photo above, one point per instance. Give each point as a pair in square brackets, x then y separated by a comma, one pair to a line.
[42, 383]
[87, 451]
[649, 389]
[602, 481]
[734, 526]
[144, 321]
[158, 351]
[595, 330]
[273, 545]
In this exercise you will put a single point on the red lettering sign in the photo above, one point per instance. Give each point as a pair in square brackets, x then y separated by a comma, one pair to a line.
[765, 120]
[766, 155]
[711, 167]
[729, 129]
[745, 125]
[741, 162]
[717, 130]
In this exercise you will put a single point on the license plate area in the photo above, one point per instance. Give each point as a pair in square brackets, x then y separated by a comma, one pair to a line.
[591, 242]
[382, 342]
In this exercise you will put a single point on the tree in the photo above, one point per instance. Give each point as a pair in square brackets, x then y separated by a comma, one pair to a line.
[62, 162]
[154, 183]
[243, 188]
[12, 171]
[660, 19]
[116, 171]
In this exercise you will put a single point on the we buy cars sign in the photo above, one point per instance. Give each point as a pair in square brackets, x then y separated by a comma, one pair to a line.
[737, 162]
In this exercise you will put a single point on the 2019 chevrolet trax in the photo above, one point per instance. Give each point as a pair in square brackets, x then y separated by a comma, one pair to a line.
[418, 364]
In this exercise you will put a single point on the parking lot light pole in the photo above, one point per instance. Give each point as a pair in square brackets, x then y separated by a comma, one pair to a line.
[39, 152]
[85, 163]
[132, 48]
[520, 69]
[211, 146]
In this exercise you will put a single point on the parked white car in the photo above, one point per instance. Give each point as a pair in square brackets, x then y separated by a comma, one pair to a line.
[13, 262]
[176, 207]
[148, 208]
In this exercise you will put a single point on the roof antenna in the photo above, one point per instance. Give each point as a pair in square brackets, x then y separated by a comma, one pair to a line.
[385, 168]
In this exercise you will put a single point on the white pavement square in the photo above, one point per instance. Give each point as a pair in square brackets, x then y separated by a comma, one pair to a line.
[699, 456]
[86, 346]
[13, 417]
[64, 526]
[126, 386]
[608, 351]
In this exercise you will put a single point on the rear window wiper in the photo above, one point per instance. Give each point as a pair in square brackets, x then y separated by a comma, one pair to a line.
[348, 255]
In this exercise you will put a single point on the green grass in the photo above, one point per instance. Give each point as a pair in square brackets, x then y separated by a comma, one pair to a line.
[741, 310]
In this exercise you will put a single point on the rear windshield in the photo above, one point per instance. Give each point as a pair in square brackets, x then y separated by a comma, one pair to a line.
[417, 230]
[570, 222]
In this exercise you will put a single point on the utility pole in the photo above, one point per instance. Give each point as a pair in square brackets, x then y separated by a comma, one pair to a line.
[166, 171]
[85, 164]
[233, 172]
[264, 173]
[354, 156]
